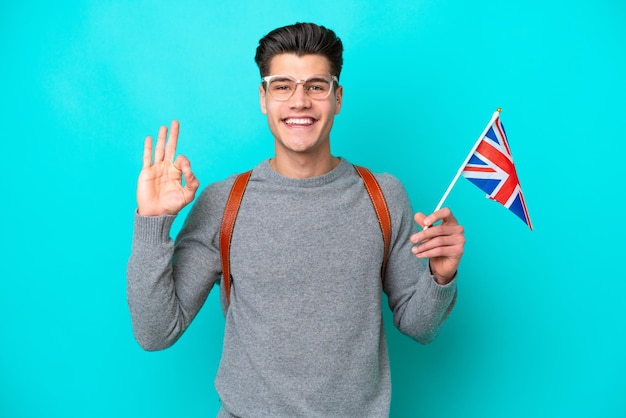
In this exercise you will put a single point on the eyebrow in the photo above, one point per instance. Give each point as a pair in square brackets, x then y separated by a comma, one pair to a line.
[281, 77]
[317, 78]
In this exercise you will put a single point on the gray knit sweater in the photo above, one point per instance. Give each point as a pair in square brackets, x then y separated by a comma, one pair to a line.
[304, 332]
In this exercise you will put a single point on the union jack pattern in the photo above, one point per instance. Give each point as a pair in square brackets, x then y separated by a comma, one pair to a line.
[491, 168]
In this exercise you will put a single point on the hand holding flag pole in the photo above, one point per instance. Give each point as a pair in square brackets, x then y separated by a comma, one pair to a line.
[489, 165]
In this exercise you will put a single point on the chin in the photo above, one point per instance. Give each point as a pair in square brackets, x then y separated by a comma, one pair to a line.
[303, 145]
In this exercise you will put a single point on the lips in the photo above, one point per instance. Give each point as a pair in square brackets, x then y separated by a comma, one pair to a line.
[295, 122]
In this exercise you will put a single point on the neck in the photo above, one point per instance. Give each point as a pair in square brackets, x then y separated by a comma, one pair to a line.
[295, 166]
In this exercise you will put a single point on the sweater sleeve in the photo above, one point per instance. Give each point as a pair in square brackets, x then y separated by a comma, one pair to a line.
[419, 304]
[167, 281]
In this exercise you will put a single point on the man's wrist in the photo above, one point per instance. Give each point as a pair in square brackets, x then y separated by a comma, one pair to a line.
[441, 280]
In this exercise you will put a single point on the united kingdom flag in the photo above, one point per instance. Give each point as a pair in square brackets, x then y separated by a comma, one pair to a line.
[491, 168]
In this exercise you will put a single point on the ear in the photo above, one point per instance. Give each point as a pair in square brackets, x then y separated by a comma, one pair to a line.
[262, 99]
[339, 98]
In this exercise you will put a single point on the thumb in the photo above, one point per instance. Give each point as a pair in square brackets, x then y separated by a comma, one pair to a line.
[419, 219]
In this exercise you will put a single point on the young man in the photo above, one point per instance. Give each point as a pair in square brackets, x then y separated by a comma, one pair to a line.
[304, 331]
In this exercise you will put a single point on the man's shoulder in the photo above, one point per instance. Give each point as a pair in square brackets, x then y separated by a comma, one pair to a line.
[390, 184]
[220, 187]
[215, 194]
[394, 191]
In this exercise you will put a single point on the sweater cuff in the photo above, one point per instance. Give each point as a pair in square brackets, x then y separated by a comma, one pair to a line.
[440, 291]
[153, 229]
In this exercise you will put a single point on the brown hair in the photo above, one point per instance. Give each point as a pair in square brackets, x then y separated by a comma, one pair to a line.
[300, 39]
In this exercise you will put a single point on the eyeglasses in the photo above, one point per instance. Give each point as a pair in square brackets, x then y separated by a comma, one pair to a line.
[281, 87]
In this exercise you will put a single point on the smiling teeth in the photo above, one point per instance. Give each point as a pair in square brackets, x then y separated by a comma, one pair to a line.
[295, 121]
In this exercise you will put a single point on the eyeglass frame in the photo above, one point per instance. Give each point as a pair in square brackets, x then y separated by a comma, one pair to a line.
[268, 78]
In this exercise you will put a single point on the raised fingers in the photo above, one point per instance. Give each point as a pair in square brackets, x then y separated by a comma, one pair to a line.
[159, 150]
[147, 152]
[170, 148]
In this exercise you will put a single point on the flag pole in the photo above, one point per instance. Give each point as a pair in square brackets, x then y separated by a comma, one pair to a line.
[458, 173]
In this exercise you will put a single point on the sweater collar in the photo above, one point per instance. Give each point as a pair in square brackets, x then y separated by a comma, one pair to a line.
[265, 171]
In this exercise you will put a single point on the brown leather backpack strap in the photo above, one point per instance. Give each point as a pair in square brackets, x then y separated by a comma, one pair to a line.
[228, 225]
[381, 209]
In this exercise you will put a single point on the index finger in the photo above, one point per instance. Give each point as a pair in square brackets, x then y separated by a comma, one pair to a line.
[170, 147]
[147, 152]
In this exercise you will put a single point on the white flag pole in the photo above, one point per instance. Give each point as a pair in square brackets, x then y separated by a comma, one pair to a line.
[458, 173]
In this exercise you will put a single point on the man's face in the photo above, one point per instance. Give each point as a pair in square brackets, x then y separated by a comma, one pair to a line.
[301, 124]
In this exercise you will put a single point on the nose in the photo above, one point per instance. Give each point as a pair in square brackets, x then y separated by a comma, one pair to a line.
[300, 99]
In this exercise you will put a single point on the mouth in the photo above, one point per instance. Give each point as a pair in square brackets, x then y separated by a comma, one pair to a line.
[299, 122]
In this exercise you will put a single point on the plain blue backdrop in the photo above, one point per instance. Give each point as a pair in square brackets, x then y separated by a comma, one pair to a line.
[538, 329]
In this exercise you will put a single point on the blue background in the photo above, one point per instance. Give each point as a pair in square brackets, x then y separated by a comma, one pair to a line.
[538, 329]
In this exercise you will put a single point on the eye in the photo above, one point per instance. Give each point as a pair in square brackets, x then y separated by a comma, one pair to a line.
[317, 86]
[280, 86]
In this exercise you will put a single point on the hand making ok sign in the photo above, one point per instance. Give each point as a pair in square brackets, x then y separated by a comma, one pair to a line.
[160, 188]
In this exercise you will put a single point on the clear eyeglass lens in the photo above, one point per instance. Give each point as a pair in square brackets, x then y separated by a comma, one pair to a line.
[283, 87]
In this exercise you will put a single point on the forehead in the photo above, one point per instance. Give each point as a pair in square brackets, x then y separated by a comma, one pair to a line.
[300, 67]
